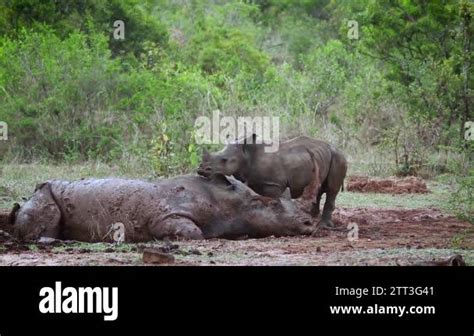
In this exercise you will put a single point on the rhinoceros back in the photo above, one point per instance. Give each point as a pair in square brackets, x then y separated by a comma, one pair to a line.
[92, 210]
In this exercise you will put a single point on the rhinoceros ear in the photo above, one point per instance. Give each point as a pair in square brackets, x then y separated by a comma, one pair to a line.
[286, 194]
[205, 155]
[12, 215]
[40, 185]
[249, 144]
[252, 140]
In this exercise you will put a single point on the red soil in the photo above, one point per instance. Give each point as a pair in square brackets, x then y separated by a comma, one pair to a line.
[391, 185]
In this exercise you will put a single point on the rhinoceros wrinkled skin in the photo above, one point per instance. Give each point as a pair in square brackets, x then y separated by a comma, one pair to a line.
[308, 167]
[186, 207]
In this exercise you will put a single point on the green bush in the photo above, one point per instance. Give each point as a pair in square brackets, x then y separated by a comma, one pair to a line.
[69, 91]
[58, 93]
[462, 200]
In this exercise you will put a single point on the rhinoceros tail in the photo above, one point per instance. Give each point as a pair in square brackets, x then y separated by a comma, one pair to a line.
[12, 215]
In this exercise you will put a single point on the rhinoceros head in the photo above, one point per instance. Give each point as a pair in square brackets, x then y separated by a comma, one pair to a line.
[279, 216]
[230, 160]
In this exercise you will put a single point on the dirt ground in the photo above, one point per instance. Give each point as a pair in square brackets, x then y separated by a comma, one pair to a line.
[385, 237]
[391, 185]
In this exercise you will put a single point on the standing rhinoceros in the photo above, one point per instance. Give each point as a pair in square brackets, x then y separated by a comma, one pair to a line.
[187, 207]
[300, 164]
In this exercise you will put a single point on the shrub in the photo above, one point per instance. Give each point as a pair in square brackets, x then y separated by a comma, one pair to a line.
[462, 200]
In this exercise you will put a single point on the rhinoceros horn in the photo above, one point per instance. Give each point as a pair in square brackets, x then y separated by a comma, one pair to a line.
[286, 194]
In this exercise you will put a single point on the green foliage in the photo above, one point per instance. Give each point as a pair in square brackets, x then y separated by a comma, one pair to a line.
[426, 49]
[462, 200]
[96, 16]
[70, 92]
[56, 99]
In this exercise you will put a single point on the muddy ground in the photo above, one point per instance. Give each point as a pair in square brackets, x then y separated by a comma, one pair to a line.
[385, 237]
[390, 185]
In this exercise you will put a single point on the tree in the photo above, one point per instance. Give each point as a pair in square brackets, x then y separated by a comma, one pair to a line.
[426, 47]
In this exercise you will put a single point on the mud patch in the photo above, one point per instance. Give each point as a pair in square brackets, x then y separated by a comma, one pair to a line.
[412, 228]
[391, 185]
[385, 237]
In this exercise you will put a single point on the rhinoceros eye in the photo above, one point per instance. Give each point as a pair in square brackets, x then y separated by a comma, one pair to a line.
[224, 160]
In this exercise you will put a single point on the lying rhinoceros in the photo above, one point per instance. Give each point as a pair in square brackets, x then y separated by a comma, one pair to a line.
[187, 207]
[301, 164]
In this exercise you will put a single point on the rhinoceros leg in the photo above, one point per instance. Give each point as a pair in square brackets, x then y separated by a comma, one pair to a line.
[335, 181]
[315, 208]
[39, 217]
[175, 227]
[329, 206]
[314, 190]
